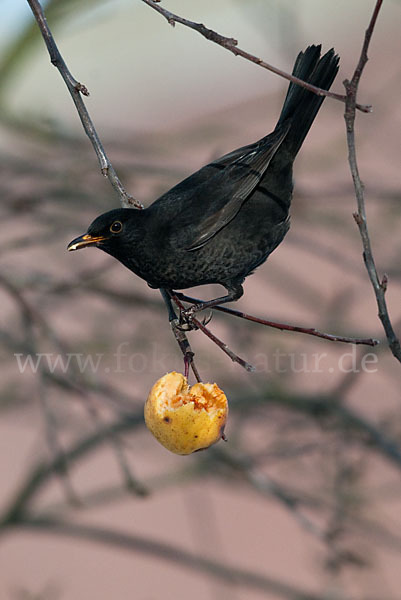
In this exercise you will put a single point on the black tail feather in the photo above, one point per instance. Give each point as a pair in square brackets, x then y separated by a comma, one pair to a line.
[300, 105]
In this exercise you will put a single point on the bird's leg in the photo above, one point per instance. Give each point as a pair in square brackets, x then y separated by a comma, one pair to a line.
[235, 292]
[167, 301]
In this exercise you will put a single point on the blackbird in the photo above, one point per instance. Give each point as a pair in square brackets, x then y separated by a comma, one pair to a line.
[222, 222]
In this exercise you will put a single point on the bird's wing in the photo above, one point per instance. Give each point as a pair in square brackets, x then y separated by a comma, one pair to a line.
[221, 196]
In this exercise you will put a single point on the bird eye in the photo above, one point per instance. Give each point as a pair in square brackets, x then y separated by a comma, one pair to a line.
[116, 227]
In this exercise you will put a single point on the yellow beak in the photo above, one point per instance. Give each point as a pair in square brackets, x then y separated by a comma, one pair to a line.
[83, 241]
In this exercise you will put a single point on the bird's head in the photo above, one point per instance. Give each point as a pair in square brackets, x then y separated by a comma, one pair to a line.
[112, 232]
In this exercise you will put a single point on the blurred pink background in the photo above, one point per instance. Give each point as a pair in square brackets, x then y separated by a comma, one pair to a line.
[165, 101]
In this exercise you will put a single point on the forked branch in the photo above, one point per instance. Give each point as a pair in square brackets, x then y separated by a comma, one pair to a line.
[379, 286]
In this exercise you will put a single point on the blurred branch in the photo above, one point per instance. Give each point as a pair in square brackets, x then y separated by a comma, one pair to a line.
[182, 558]
[231, 44]
[56, 449]
[265, 485]
[379, 287]
[77, 90]
[31, 317]
[321, 407]
[40, 474]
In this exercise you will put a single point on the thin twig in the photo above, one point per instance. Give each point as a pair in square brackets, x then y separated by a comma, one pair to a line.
[283, 326]
[186, 350]
[199, 325]
[77, 90]
[231, 44]
[234, 357]
[379, 287]
[180, 336]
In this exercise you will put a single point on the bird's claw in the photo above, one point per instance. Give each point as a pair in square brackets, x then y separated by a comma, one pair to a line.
[186, 326]
[187, 314]
[182, 325]
[207, 318]
[186, 323]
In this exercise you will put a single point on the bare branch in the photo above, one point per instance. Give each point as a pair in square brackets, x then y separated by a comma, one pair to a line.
[379, 287]
[284, 326]
[77, 90]
[231, 44]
